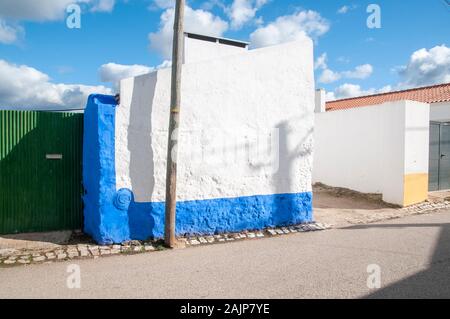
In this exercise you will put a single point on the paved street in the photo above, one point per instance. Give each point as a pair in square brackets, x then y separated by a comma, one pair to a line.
[413, 253]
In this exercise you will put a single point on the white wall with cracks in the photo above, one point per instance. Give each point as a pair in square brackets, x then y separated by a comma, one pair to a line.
[246, 126]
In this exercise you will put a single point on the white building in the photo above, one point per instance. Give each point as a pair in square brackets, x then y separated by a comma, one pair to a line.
[396, 144]
[244, 153]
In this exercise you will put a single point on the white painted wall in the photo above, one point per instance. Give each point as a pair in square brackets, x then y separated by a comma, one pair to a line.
[370, 149]
[440, 112]
[230, 107]
[198, 50]
[320, 101]
[417, 137]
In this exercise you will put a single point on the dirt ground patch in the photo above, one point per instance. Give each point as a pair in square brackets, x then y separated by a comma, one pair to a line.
[342, 207]
[343, 198]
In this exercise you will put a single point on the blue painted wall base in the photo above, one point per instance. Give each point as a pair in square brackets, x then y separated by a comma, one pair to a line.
[113, 216]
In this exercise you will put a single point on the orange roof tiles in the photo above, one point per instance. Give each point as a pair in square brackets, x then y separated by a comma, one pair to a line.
[429, 94]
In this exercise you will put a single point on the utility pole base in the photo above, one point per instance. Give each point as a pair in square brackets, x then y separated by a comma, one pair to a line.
[179, 244]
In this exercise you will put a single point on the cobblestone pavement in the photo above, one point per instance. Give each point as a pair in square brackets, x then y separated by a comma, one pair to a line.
[14, 257]
[345, 217]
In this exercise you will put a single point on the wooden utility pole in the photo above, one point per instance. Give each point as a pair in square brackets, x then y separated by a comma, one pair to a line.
[175, 99]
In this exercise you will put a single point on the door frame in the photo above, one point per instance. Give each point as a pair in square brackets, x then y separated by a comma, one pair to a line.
[439, 151]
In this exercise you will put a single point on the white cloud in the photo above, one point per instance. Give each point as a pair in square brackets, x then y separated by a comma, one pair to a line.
[329, 96]
[348, 90]
[22, 86]
[64, 69]
[329, 76]
[321, 62]
[196, 21]
[290, 28]
[385, 89]
[14, 11]
[359, 72]
[426, 67]
[34, 10]
[243, 11]
[113, 72]
[163, 4]
[259, 21]
[209, 5]
[47, 10]
[343, 59]
[103, 5]
[9, 34]
[343, 10]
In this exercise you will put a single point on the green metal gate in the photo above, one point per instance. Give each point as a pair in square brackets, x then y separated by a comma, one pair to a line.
[40, 171]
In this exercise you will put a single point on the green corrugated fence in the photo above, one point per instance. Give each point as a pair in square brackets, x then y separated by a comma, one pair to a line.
[40, 171]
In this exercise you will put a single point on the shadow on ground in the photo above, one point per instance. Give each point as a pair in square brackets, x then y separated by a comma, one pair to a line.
[35, 240]
[434, 282]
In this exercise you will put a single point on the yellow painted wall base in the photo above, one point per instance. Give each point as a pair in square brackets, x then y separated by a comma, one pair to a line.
[415, 189]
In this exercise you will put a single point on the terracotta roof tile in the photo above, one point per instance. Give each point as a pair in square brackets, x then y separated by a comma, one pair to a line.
[429, 94]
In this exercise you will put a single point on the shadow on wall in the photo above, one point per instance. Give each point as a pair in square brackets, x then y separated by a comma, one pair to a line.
[286, 168]
[142, 159]
[434, 282]
[218, 215]
[39, 194]
[286, 208]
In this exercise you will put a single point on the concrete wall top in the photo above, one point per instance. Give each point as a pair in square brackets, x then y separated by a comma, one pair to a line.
[197, 49]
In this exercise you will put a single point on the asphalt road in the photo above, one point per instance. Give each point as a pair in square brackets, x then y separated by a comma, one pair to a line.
[413, 254]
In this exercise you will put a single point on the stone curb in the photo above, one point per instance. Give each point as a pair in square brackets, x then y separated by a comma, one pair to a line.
[86, 251]
[269, 232]
[72, 252]
[419, 209]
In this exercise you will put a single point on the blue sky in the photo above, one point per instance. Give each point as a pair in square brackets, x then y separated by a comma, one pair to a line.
[37, 48]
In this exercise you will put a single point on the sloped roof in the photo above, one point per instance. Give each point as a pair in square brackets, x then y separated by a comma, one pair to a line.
[429, 94]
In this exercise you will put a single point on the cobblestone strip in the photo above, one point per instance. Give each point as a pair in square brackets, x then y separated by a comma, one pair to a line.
[270, 232]
[70, 252]
[422, 208]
